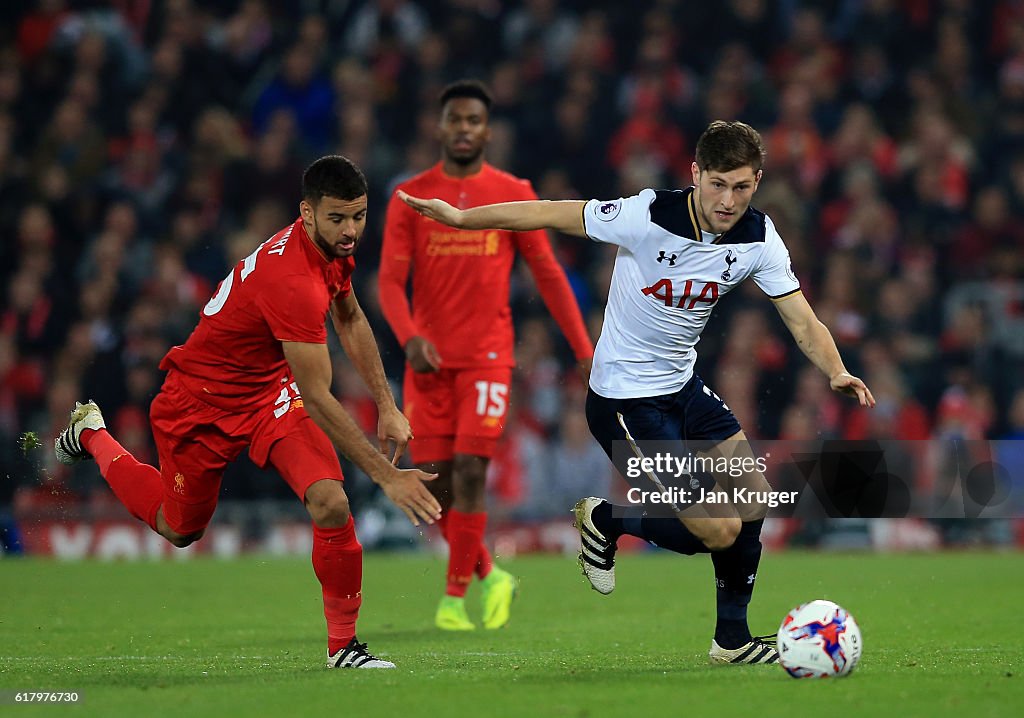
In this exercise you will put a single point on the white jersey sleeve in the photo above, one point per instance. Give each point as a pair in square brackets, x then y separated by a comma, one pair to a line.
[774, 273]
[623, 221]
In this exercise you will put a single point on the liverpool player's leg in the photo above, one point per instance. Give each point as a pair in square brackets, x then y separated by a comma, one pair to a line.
[467, 523]
[451, 611]
[162, 500]
[482, 400]
[429, 399]
[441, 488]
[135, 484]
[306, 459]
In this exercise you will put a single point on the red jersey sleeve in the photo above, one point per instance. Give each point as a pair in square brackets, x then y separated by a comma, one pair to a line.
[554, 286]
[395, 260]
[295, 311]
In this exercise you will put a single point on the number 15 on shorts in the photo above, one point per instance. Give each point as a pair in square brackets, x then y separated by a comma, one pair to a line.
[491, 398]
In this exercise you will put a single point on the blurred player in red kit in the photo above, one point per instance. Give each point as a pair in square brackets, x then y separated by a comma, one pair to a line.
[458, 337]
[256, 374]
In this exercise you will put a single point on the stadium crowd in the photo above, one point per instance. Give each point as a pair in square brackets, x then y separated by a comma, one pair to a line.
[148, 145]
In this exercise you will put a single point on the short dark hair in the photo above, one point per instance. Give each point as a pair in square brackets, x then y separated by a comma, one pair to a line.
[727, 146]
[333, 176]
[467, 88]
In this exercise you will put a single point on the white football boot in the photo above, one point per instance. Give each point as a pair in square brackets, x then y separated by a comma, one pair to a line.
[68, 445]
[597, 553]
[355, 655]
[760, 649]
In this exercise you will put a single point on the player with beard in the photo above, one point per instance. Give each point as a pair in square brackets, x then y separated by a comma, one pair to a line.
[458, 337]
[256, 374]
[679, 252]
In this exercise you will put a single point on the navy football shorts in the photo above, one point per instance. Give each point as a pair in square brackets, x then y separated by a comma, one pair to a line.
[692, 414]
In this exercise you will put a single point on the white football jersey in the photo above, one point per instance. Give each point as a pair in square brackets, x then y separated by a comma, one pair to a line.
[667, 278]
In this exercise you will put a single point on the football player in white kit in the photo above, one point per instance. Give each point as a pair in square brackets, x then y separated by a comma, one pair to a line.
[679, 252]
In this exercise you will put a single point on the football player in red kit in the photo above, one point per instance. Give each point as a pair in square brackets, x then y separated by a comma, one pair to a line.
[256, 374]
[458, 337]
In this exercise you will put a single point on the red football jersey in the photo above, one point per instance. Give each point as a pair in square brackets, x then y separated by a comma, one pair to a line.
[281, 292]
[460, 278]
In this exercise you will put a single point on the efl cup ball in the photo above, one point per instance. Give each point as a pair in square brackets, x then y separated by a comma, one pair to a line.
[819, 639]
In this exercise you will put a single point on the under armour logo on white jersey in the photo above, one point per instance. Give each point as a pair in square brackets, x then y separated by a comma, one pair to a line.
[671, 260]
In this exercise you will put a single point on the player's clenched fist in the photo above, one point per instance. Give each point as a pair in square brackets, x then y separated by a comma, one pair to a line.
[422, 355]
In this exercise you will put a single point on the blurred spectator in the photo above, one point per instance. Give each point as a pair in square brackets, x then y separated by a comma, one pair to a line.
[750, 23]
[795, 143]
[519, 473]
[1007, 124]
[861, 221]
[895, 416]
[991, 243]
[541, 373]
[37, 27]
[71, 141]
[30, 319]
[245, 38]
[187, 75]
[579, 467]
[139, 159]
[807, 46]
[380, 21]
[304, 92]
[840, 303]
[542, 33]
[270, 173]
[859, 138]
[935, 164]
[874, 82]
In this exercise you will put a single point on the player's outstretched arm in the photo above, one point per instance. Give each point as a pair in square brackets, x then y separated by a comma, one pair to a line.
[311, 367]
[815, 340]
[565, 216]
[359, 343]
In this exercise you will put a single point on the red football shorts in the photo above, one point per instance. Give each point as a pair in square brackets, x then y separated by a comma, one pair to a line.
[196, 441]
[456, 411]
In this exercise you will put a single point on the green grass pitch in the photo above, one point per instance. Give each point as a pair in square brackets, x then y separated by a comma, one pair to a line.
[942, 636]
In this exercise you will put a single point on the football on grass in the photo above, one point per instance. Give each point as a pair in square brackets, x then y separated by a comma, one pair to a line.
[819, 639]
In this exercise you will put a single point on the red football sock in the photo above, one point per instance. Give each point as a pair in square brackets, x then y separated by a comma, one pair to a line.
[338, 563]
[484, 562]
[465, 538]
[442, 524]
[136, 485]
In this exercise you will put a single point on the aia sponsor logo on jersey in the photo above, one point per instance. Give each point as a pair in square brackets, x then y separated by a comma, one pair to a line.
[686, 296]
